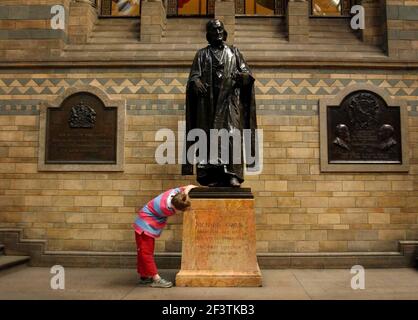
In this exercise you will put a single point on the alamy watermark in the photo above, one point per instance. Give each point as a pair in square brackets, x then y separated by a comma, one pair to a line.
[58, 279]
[358, 281]
[58, 17]
[358, 20]
[218, 146]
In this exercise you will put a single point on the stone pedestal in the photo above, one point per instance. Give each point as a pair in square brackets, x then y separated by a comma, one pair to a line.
[219, 248]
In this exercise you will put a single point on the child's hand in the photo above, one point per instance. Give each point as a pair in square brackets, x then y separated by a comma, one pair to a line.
[188, 188]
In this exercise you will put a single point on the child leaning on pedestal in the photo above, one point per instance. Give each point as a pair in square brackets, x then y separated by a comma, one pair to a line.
[149, 224]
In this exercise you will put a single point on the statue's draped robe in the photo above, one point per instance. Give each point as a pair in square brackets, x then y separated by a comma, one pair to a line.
[227, 105]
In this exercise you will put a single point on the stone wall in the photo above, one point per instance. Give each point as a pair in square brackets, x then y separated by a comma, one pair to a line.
[297, 19]
[225, 11]
[298, 208]
[402, 28]
[82, 17]
[153, 21]
[25, 29]
[375, 21]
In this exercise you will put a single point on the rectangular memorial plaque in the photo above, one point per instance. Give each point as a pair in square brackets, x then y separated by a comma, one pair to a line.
[363, 129]
[81, 131]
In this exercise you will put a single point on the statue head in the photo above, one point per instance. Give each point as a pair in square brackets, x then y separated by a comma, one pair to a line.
[385, 132]
[342, 132]
[215, 32]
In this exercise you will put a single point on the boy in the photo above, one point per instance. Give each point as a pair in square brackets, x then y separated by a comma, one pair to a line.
[149, 224]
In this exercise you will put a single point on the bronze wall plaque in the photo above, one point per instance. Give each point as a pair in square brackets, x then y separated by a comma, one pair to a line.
[363, 129]
[81, 131]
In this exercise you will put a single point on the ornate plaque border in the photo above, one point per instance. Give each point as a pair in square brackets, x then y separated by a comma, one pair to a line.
[108, 102]
[362, 167]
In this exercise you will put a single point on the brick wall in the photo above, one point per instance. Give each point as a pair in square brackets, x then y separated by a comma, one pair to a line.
[25, 29]
[402, 28]
[26, 33]
[297, 19]
[82, 17]
[153, 21]
[375, 21]
[298, 209]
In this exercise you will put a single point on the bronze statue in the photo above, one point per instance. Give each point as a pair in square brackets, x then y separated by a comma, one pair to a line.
[220, 95]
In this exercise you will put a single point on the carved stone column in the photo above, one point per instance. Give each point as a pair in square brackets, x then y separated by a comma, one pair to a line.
[153, 21]
[297, 18]
[225, 11]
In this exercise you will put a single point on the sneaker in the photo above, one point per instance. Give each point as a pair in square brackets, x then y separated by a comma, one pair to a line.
[146, 280]
[161, 283]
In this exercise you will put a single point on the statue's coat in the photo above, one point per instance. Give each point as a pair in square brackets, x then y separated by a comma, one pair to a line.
[234, 108]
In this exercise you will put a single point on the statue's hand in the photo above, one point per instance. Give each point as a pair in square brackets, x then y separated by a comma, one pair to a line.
[242, 78]
[200, 88]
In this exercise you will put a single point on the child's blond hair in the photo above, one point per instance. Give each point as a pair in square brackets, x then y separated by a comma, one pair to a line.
[181, 201]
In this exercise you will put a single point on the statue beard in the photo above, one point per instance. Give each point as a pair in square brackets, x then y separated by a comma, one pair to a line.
[217, 43]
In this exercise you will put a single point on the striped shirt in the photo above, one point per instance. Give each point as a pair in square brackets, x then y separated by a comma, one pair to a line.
[152, 218]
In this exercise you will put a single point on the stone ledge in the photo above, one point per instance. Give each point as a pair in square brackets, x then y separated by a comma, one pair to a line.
[266, 62]
[12, 238]
[11, 261]
[221, 193]
[187, 278]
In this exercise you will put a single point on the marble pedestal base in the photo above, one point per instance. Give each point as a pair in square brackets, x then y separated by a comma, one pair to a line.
[219, 248]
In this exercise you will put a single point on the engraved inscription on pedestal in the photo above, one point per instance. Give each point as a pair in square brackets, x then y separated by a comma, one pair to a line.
[363, 130]
[82, 130]
[218, 248]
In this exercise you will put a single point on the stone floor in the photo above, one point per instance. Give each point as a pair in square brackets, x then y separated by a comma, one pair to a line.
[34, 283]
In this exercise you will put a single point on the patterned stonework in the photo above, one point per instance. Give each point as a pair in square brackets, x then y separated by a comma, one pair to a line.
[147, 93]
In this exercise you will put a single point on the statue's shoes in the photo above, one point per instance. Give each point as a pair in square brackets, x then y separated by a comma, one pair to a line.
[214, 184]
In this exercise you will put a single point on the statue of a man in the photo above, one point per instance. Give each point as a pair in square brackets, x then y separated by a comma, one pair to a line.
[220, 95]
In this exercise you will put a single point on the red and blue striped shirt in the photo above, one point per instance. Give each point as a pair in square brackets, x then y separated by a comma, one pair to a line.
[152, 218]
